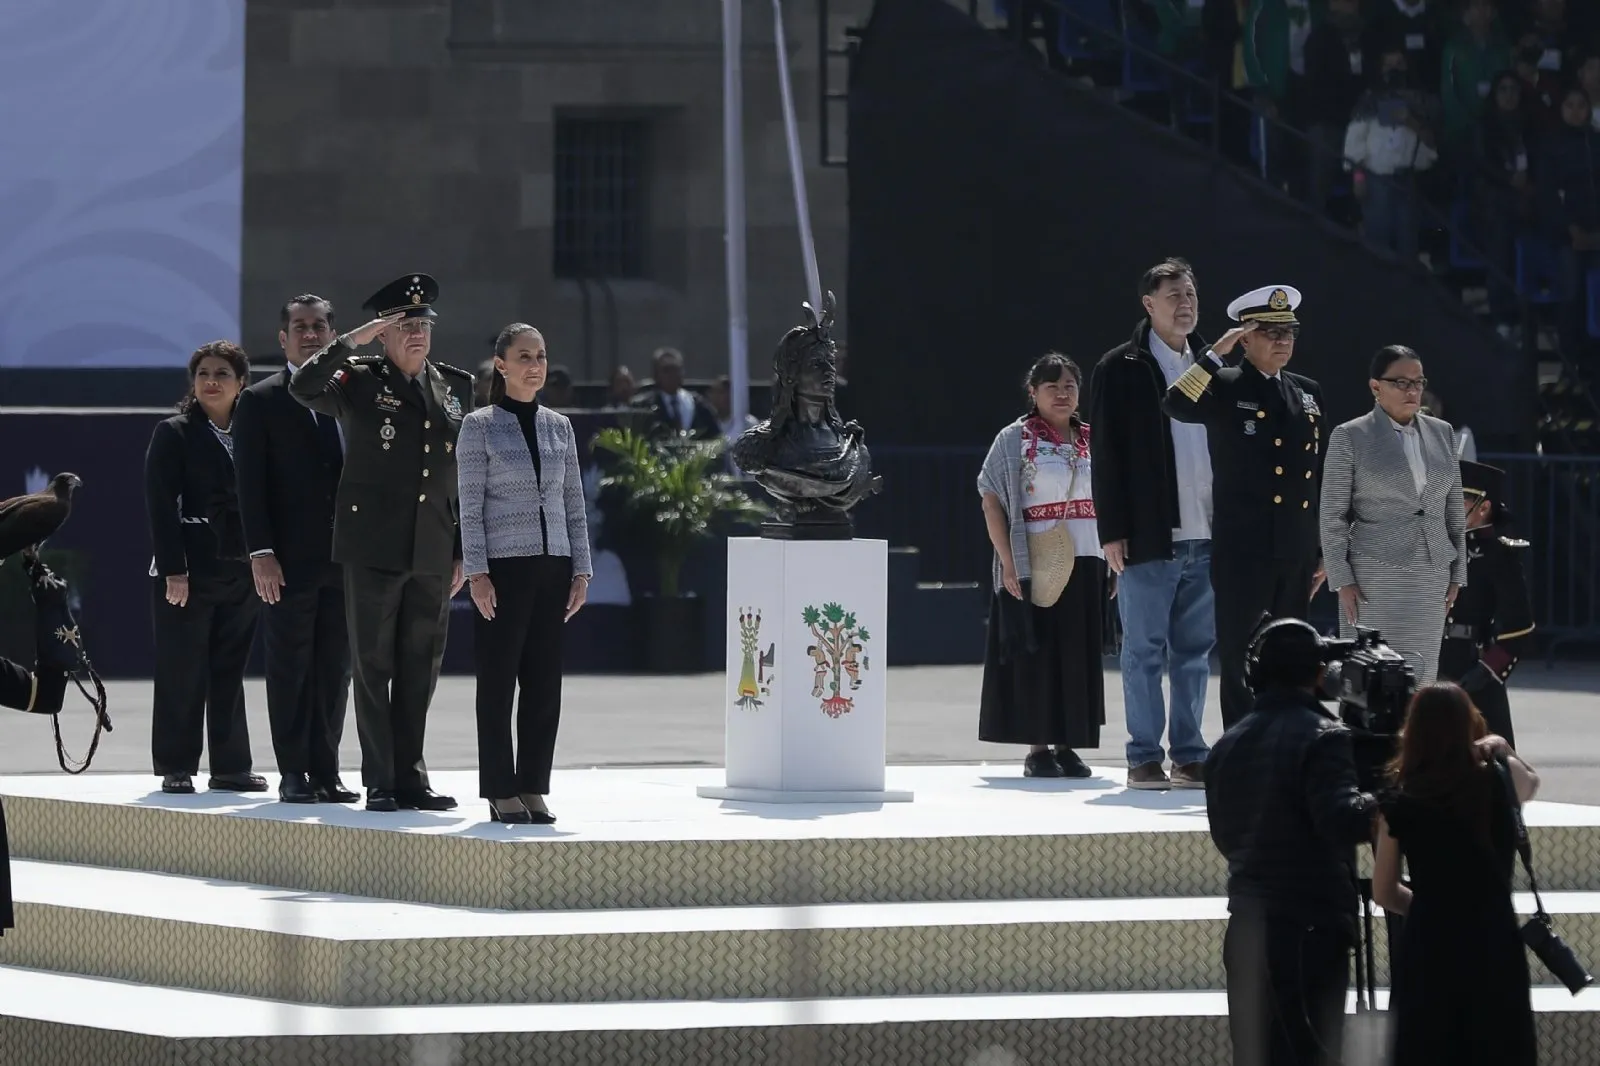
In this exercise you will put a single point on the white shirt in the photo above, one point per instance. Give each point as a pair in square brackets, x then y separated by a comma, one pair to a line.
[1190, 455]
[1411, 442]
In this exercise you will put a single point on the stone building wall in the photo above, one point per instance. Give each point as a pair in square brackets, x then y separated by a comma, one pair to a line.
[385, 136]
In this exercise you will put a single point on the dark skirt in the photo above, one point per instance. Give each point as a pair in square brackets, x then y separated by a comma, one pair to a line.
[7, 919]
[1055, 693]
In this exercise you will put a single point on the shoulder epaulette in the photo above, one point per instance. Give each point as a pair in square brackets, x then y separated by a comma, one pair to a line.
[1513, 542]
[456, 371]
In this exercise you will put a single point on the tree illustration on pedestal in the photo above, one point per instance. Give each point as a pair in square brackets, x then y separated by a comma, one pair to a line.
[836, 654]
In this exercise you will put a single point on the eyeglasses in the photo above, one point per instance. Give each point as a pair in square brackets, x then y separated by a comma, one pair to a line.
[1406, 384]
[416, 325]
[1279, 333]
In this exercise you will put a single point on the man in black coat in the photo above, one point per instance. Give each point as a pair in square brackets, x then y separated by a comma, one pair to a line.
[396, 526]
[673, 408]
[1152, 499]
[1264, 431]
[1286, 811]
[289, 460]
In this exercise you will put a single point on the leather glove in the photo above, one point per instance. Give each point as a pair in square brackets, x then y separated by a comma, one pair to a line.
[60, 647]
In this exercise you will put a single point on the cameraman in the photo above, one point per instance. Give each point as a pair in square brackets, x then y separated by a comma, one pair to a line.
[1286, 813]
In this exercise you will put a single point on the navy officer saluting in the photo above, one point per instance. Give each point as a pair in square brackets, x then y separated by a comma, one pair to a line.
[1490, 622]
[395, 526]
[1263, 429]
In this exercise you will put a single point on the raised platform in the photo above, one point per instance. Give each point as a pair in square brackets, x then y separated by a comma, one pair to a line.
[993, 916]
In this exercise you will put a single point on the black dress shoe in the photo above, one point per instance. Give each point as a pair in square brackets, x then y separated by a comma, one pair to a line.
[424, 799]
[1041, 764]
[381, 799]
[333, 791]
[1071, 765]
[177, 785]
[296, 788]
[237, 783]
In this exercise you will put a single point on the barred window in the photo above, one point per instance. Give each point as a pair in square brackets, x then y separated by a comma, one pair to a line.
[601, 192]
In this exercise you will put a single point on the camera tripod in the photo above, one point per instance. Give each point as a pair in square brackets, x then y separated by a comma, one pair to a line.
[1366, 954]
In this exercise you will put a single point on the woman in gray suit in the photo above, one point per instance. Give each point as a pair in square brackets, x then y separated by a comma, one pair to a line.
[525, 547]
[1393, 527]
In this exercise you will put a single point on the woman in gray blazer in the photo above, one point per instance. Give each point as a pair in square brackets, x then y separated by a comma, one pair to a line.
[525, 548]
[1393, 527]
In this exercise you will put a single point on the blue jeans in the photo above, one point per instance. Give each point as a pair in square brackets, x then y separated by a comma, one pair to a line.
[1168, 625]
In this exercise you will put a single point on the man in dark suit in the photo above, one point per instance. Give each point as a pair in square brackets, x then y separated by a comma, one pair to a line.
[1264, 433]
[395, 525]
[288, 461]
[673, 408]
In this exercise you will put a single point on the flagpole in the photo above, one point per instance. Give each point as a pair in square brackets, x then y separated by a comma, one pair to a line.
[797, 173]
[733, 207]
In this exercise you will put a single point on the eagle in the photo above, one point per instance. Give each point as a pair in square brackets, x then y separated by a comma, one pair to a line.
[28, 521]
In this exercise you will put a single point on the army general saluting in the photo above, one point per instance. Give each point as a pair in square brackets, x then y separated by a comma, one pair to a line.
[395, 526]
[1263, 429]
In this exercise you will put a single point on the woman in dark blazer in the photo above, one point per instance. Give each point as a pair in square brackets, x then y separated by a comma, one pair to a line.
[204, 598]
[1393, 527]
[525, 548]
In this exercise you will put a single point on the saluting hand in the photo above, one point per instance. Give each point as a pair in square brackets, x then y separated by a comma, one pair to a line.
[577, 596]
[371, 331]
[1226, 342]
[483, 596]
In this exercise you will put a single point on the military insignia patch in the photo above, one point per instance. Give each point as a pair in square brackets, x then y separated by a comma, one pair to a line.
[1310, 404]
[1246, 405]
[1249, 429]
[452, 405]
[387, 403]
[386, 432]
[1278, 301]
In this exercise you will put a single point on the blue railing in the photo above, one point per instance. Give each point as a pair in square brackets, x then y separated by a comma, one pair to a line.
[930, 501]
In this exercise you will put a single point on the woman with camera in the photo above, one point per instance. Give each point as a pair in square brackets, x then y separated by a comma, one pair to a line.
[1393, 527]
[1042, 682]
[1461, 986]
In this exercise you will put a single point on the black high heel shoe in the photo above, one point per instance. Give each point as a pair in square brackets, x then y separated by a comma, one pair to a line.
[537, 811]
[510, 812]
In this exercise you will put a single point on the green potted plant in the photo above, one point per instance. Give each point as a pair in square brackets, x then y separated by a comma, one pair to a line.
[674, 494]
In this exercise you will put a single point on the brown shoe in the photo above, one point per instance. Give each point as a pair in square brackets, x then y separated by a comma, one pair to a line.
[1148, 776]
[1189, 775]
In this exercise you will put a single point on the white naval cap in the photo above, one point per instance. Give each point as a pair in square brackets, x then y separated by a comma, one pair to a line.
[1270, 303]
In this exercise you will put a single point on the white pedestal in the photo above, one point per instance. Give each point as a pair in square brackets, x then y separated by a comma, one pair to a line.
[807, 622]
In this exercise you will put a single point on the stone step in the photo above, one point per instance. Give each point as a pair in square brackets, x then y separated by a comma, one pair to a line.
[54, 1019]
[641, 838]
[250, 940]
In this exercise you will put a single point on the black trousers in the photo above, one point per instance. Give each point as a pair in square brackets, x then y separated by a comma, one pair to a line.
[398, 623]
[521, 646]
[201, 651]
[308, 671]
[1287, 982]
[1458, 655]
[1247, 586]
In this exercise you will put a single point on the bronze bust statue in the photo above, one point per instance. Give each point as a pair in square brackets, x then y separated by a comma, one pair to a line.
[810, 460]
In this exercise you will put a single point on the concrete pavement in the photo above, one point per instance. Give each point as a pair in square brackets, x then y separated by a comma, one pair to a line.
[615, 720]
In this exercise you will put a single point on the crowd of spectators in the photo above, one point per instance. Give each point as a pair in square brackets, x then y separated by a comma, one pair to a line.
[1409, 113]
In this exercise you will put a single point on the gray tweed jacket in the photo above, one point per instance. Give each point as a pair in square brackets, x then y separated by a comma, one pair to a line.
[501, 497]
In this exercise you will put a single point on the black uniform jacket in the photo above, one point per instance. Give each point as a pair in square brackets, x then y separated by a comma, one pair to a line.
[1265, 439]
[287, 482]
[192, 501]
[397, 507]
[1135, 480]
[1493, 617]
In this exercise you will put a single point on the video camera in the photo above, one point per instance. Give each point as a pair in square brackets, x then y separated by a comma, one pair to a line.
[1373, 685]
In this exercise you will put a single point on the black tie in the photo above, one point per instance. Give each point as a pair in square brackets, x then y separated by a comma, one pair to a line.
[422, 395]
[328, 438]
